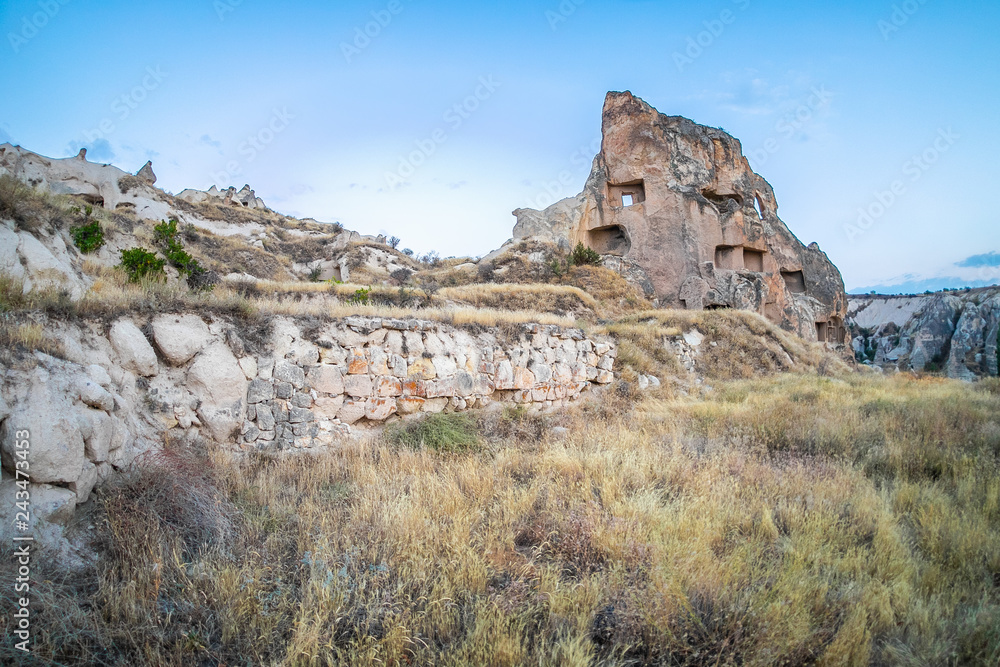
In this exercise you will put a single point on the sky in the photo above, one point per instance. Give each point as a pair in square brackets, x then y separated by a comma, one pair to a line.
[875, 121]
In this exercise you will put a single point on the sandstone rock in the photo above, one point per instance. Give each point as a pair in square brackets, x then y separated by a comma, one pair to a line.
[352, 411]
[675, 208]
[57, 450]
[358, 386]
[421, 369]
[85, 483]
[52, 503]
[146, 173]
[180, 337]
[389, 387]
[409, 405]
[523, 378]
[435, 405]
[378, 362]
[260, 391]
[217, 380]
[379, 409]
[357, 362]
[326, 379]
[328, 408]
[99, 375]
[286, 371]
[134, 351]
[95, 395]
[951, 331]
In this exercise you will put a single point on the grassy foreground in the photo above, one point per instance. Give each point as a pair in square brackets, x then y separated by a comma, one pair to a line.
[787, 521]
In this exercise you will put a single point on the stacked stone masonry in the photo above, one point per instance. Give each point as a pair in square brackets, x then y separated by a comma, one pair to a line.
[126, 386]
[370, 369]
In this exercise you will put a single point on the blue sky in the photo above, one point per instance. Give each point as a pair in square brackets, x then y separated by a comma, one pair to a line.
[832, 104]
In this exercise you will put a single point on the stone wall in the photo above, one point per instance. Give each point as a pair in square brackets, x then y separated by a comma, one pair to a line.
[126, 385]
[371, 370]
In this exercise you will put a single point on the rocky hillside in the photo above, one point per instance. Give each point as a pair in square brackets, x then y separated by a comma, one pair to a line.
[957, 333]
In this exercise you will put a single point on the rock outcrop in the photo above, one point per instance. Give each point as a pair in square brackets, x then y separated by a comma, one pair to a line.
[957, 333]
[245, 197]
[100, 184]
[675, 208]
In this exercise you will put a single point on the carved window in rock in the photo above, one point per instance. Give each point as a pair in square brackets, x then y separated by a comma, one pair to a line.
[753, 260]
[610, 240]
[795, 281]
[758, 206]
[626, 194]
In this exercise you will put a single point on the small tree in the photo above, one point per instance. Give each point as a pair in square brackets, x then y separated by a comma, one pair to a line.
[582, 256]
[393, 242]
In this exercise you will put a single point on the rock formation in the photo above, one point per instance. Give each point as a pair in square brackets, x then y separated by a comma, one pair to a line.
[146, 173]
[99, 184]
[954, 332]
[675, 208]
[245, 197]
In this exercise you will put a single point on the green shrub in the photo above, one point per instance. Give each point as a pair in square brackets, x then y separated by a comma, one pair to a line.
[454, 433]
[88, 237]
[139, 263]
[166, 236]
[361, 296]
[582, 255]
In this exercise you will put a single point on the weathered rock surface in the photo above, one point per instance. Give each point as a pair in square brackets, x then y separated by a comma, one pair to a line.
[180, 337]
[217, 380]
[675, 208]
[954, 332]
[134, 351]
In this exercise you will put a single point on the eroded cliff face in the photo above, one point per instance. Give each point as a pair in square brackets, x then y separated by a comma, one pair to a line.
[953, 332]
[675, 207]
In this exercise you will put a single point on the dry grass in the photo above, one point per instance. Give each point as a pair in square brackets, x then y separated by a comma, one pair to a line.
[229, 254]
[746, 345]
[559, 299]
[792, 520]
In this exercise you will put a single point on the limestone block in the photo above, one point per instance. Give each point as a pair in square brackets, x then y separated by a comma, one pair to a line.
[180, 337]
[134, 351]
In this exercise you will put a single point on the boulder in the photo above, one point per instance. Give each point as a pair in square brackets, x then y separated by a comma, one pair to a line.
[56, 442]
[180, 337]
[134, 351]
[216, 379]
